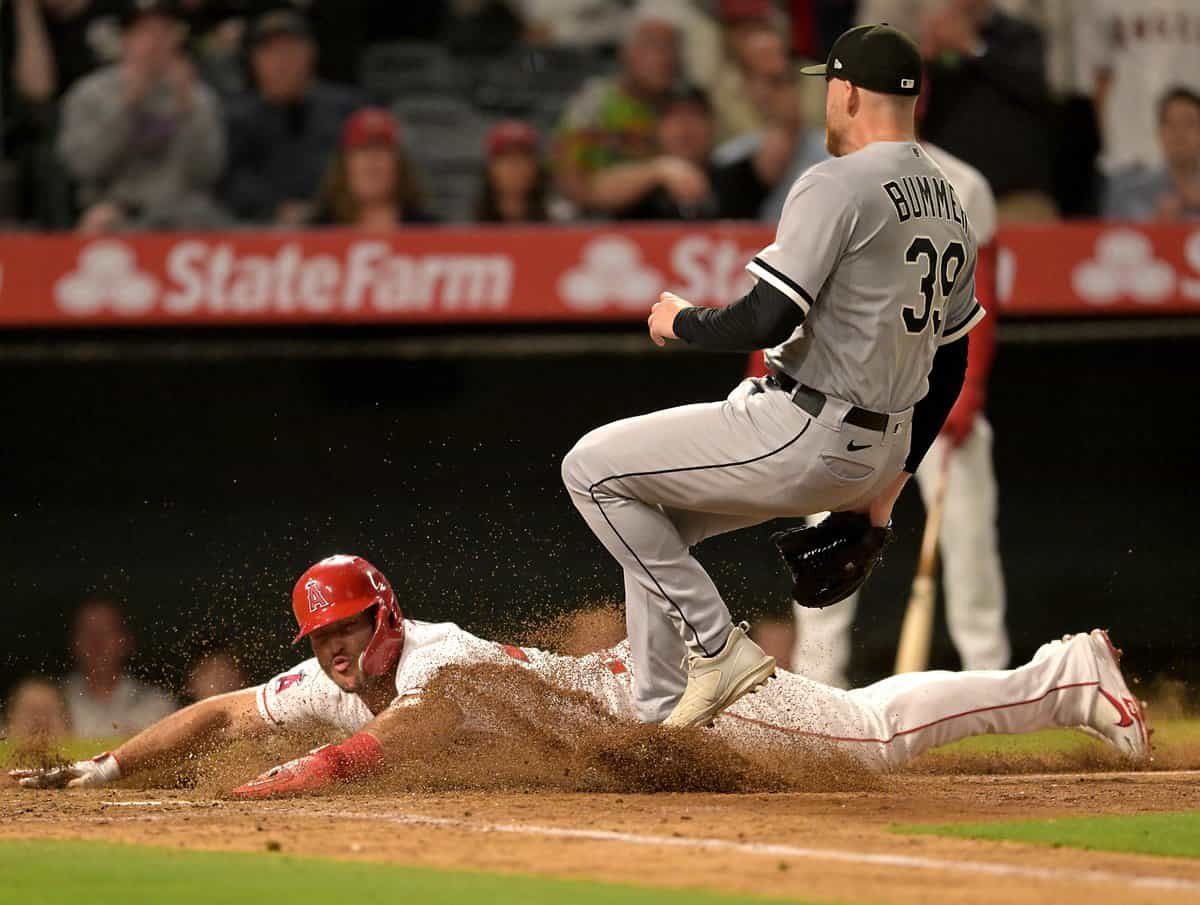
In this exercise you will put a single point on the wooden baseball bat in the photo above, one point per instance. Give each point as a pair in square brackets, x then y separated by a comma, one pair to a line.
[912, 654]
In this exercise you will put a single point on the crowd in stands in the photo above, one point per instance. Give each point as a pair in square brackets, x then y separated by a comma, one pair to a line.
[199, 114]
[98, 698]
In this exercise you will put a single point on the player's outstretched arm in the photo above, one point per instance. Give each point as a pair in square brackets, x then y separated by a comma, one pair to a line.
[172, 738]
[407, 730]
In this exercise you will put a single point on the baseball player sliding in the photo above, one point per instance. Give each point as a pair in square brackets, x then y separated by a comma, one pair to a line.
[863, 301]
[371, 667]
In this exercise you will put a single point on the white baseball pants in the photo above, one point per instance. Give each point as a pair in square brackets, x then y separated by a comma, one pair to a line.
[886, 725]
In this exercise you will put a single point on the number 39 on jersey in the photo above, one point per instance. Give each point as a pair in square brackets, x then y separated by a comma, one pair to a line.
[941, 270]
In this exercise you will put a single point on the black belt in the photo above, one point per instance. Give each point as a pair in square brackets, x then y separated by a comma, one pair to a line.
[813, 401]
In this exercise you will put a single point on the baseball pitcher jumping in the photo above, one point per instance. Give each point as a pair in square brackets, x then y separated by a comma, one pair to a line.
[864, 301]
[371, 667]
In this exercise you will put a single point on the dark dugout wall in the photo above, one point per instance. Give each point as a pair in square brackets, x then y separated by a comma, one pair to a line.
[196, 490]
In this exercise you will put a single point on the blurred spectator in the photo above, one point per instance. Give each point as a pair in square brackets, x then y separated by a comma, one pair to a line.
[732, 189]
[282, 134]
[216, 35]
[371, 183]
[50, 44]
[143, 136]
[573, 23]
[783, 134]
[215, 673]
[606, 155]
[101, 699]
[513, 187]
[1170, 191]
[35, 711]
[45, 47]
[989, 103]
[1129, 55]
[755, 65]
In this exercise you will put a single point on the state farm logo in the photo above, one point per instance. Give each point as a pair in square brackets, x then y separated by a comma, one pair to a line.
[106, 276]
[1124, 265]
[611, 272]
[200, 277]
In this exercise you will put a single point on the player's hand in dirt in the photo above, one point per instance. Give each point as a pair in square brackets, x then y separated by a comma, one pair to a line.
[84, 774]
[359, 756]
[662, 317]
[304, 774]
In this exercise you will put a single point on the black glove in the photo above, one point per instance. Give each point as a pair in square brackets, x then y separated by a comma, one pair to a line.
[832, 560]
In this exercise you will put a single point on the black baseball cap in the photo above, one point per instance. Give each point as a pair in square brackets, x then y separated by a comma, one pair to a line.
[876, 57]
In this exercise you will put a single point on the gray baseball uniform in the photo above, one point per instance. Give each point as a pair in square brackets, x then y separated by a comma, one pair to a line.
[876, 251]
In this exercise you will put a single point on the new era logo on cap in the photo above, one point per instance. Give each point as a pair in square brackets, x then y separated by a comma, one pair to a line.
[837, 64]
[906, 83]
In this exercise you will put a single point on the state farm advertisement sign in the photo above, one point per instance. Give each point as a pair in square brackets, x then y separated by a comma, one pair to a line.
[1110, 268]
[427, 275]
[593, 273]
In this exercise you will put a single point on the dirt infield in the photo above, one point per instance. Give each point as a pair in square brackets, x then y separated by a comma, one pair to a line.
[822, 845]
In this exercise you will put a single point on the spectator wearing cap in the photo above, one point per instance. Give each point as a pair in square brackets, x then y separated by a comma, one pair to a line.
[102, 698]
[1170, 191]
[989, 101]
[282, 132]
[371, 183]
[605, 157]
[513, 185]
[734, 189]
[143, 137]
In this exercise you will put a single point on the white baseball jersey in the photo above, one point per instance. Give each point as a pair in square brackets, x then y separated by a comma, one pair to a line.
[876, 250]
[306, 694]
[882, 726]
[1146, 48]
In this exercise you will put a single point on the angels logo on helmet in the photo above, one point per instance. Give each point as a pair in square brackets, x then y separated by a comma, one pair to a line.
[316, 597]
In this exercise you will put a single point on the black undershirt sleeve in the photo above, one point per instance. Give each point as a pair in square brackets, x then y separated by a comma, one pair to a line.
[762, 318]
[945, 381]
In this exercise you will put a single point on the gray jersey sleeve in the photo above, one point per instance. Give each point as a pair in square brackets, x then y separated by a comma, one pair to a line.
[963, 310]
[818, 220]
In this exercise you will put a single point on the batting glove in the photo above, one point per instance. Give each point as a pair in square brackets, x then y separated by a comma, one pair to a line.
[83, 774]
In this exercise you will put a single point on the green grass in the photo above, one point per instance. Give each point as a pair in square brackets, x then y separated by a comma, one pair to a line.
[1173, 835]
[52, 872]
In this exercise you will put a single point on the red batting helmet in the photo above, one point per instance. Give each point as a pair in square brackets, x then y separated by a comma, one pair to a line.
[339, 587]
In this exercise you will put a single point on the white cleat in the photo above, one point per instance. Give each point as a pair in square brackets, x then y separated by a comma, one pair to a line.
[1117, 715]
[716, 682]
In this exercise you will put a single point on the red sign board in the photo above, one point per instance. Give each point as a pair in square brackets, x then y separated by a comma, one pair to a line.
[586, 273]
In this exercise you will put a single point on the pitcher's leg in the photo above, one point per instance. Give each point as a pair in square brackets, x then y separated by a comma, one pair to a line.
[918, 711]
[971, 572]
[708, 458]
[657, 650]
[656, 634]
